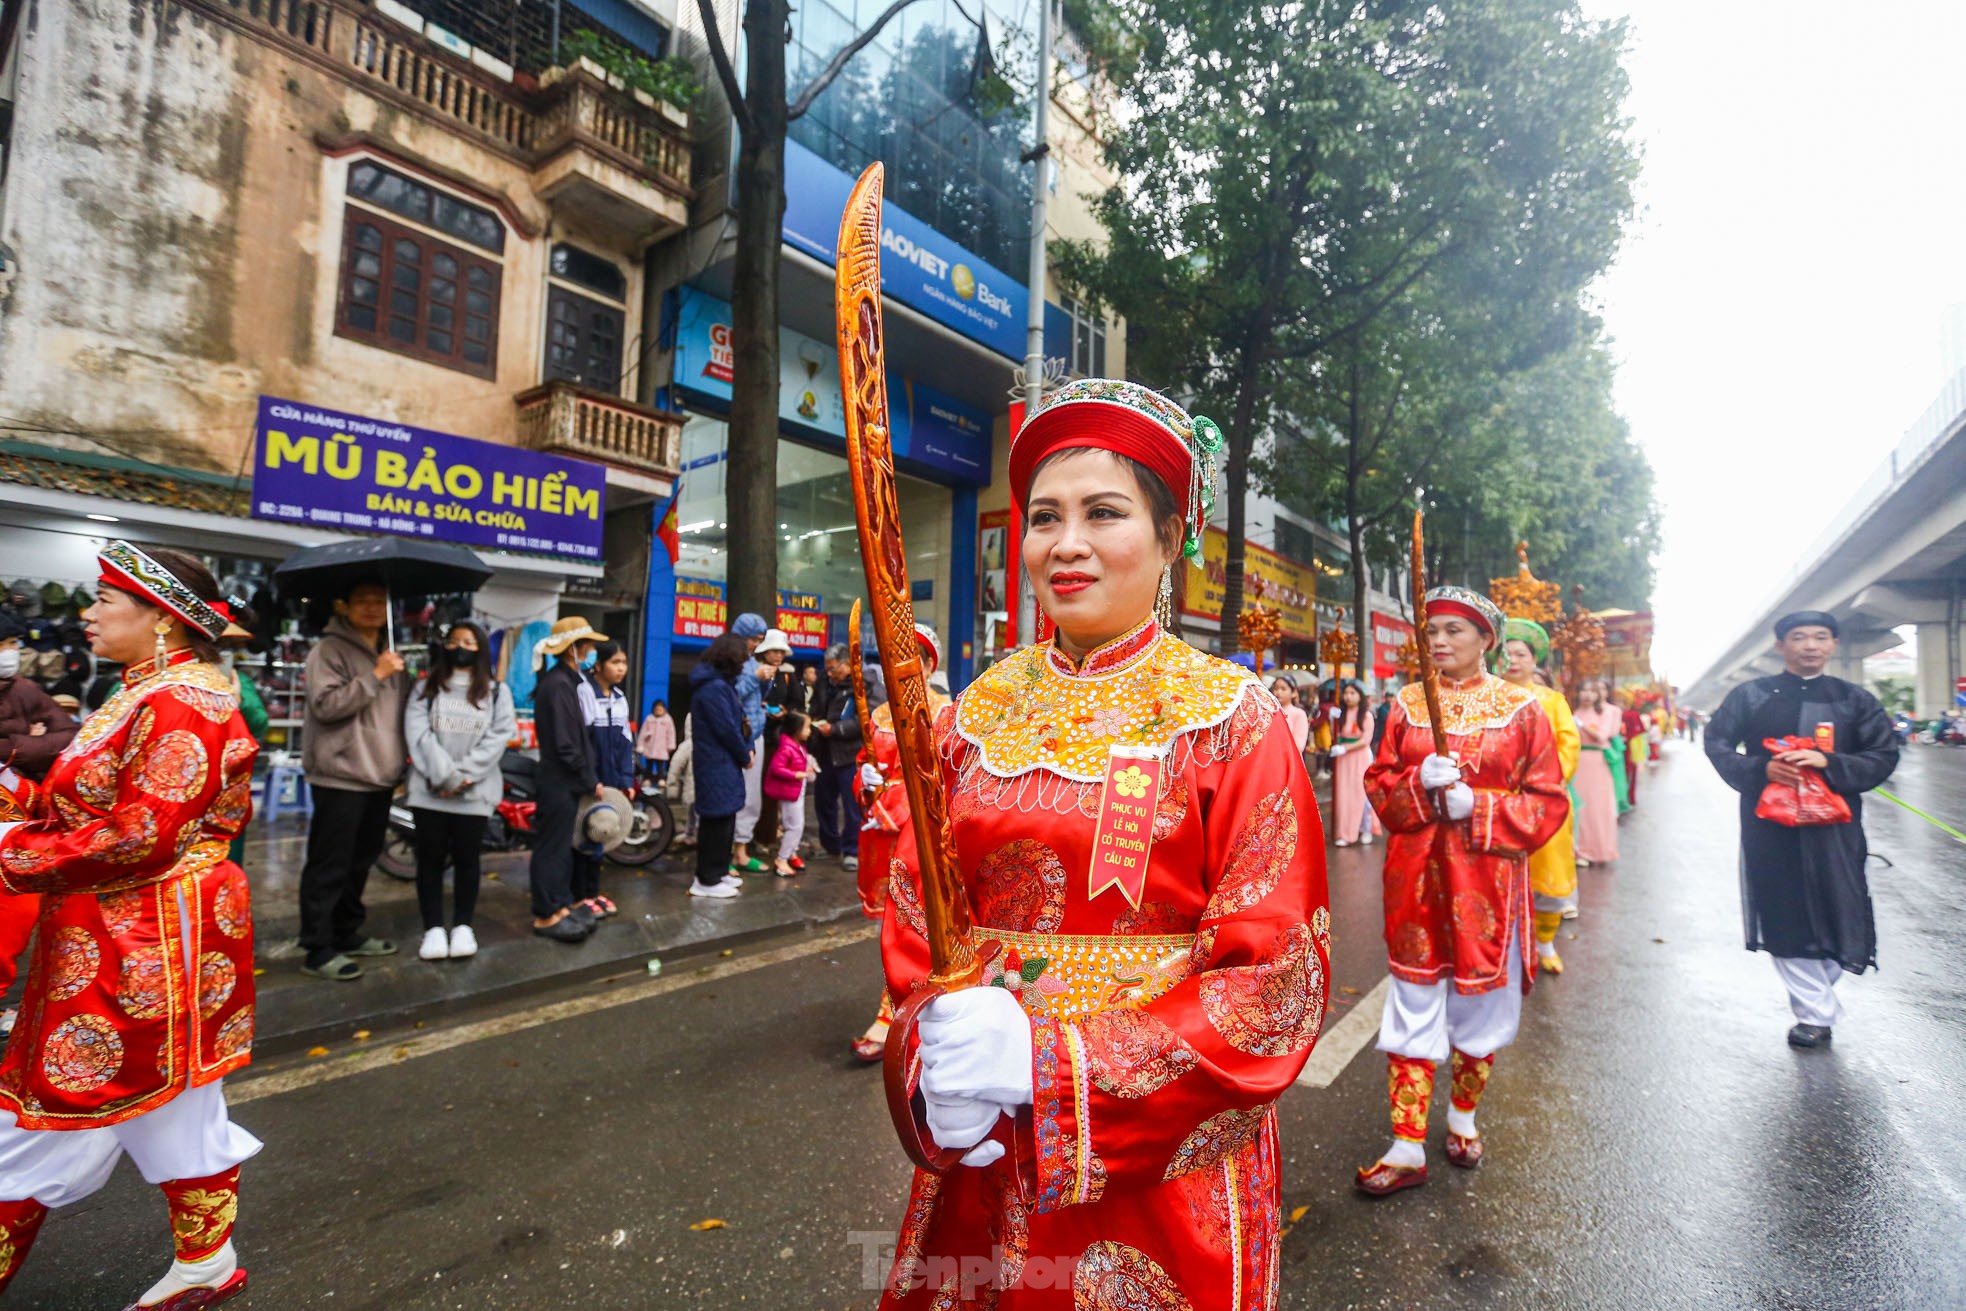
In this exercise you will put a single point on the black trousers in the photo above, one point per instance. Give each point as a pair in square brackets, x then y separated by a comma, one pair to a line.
[833, 791]
[344, 837]
[552, 850]
[714, 836]
[445, 837]
[586, 876]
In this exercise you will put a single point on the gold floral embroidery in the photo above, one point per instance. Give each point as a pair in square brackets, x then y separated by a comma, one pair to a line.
[214, 703]
[1273, 1008]
[202, 1217]
[1021, 886]
[1065, 976]
[1259, 855]
[95, 781]
[1132, 1054]
[128, 838]
[905, 896]
[142, 987]
[1485, 702]
[1111, 1276]
[175, 767]
[1025, 713]
[74, 956]
[217, 976]
[1215, 1139]
[82, 1054]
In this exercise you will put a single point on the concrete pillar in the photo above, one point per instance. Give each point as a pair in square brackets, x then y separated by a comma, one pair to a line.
[1938, 667]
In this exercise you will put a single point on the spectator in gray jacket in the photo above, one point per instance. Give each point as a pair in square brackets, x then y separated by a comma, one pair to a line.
[352, 752]
[458, 726]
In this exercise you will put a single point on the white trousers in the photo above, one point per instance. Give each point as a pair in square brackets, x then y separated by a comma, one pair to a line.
[754, 794]
[188, 1137]
[1812, 989]
[791, 814]
[1424, 1021]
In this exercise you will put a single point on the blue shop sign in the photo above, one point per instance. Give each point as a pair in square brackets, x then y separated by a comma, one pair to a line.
[920, 267]
[934, 434]
[328, 469]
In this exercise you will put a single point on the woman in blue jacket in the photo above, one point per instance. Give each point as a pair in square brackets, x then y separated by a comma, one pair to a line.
[720, 755]
[604, 711]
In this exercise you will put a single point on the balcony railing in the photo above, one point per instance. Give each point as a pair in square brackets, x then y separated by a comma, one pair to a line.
[354, 40]
[569, 419]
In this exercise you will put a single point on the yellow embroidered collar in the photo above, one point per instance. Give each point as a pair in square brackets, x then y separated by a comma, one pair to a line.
[198, 678]
[1483, 701]
[1032, 711]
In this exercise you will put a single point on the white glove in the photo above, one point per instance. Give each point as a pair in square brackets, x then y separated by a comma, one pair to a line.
[976, 1043]
[1460, 801]
[870, 777]
[959, 1122]
[1437, 772]
[1338, 749]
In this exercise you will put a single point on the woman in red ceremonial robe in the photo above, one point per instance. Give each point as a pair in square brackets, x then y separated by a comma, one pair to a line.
[1144, 1011]
[140, 993]
[886, 805]
[1457, 878]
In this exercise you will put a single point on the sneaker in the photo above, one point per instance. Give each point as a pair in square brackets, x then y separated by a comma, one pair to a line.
[712, 890]
[851, 864]
[734, 881]
[436, 945]
[463, 942]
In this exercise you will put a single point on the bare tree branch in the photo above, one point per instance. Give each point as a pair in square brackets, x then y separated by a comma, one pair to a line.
[840, 60]
[727, 75]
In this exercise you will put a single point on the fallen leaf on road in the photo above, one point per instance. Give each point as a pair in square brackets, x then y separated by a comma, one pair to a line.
[361, 1035]
[727, 951]
[1658, 939]
[702, 1225]
[258, 972]
[317, 1051]
[1349, 992]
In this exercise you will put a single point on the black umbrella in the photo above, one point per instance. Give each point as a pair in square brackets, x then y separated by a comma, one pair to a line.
[400, 564]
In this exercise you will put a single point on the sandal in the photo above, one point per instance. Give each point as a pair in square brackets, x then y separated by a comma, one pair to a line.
[867, 1051]
[338, 967]
[751, 866]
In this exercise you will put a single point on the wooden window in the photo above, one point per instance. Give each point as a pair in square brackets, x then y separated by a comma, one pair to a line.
[583, 340]
[407, 291]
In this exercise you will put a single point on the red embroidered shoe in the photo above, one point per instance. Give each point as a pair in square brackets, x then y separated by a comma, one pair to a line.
[193, 1299]
[1464, 1152]
[1379, 1178]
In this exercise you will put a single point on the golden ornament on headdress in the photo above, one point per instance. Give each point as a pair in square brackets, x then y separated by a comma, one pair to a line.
[1526, 596]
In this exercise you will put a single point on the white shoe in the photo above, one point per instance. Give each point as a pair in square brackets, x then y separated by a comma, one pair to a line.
[463, 942]
[734, 881]
[719, 890]
[436, 945]
[1366, 840]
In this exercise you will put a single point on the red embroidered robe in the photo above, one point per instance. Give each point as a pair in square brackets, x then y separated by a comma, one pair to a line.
[1457, 894]
[1162, 1034]
[141, 983]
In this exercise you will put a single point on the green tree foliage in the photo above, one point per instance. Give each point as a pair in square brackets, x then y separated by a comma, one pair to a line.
[1393, 200]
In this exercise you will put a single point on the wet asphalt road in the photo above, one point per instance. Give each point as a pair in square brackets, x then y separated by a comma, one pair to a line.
[1652, 1142]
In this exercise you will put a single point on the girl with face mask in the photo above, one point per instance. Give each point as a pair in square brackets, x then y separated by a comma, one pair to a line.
[457, 725]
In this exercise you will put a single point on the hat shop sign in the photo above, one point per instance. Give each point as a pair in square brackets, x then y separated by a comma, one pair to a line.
[327, 469]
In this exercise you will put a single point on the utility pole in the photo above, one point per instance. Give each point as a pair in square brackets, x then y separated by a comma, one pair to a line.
[1040, 156]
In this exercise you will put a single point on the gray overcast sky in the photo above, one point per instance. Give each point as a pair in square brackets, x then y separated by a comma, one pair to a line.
[1777, 308]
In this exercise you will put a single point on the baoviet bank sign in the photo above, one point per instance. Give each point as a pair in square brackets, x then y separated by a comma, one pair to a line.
[920, 267]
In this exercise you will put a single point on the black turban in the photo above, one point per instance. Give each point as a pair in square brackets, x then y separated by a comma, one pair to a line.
[1806, 619]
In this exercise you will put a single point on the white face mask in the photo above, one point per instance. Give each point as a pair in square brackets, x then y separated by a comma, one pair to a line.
[9, 662]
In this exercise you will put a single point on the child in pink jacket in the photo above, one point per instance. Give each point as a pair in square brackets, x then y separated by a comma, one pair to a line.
[785, 783]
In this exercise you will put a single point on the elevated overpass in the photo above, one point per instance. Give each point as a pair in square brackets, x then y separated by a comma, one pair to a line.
[1895, 555]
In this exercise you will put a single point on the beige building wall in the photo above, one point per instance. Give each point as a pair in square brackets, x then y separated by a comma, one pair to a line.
[176, 200]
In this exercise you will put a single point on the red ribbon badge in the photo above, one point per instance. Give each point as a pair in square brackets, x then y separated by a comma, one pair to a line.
[1126, 823]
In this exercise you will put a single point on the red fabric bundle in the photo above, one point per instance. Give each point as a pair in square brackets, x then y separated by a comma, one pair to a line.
[1808, 802]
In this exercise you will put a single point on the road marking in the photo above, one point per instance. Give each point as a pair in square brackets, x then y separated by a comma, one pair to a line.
[1345, 1039]
[384, 1054]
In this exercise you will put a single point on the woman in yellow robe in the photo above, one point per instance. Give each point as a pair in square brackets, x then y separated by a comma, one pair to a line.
[1553, 866]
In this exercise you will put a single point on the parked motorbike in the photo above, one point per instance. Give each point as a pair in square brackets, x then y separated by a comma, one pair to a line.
[510, 825]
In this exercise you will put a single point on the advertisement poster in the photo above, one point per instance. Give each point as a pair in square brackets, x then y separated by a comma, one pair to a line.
[929, 430]
[701, 614]
[1389, 634]
[1289, 586]
[332, 470]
